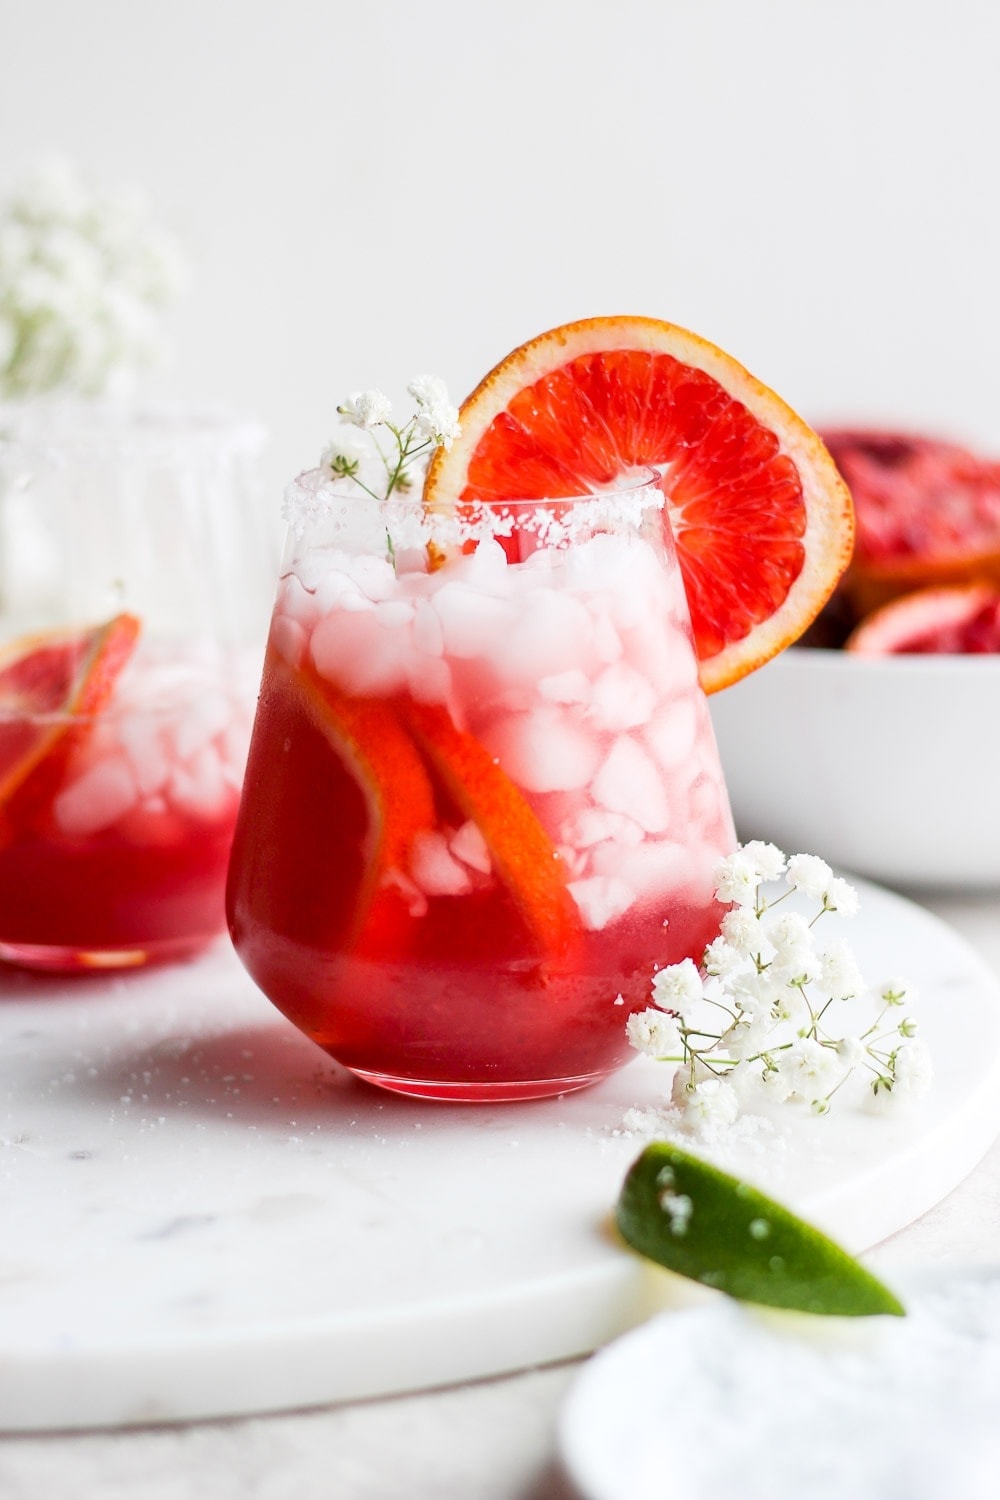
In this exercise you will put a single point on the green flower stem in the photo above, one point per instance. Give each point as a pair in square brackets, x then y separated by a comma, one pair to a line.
[406, 451]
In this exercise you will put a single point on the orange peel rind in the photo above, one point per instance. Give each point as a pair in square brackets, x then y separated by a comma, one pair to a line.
[385, 763]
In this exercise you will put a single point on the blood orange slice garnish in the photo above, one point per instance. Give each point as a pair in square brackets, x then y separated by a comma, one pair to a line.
[928, 512]
[956, 621]
[51, 686]
[523, 855]
[761, 519]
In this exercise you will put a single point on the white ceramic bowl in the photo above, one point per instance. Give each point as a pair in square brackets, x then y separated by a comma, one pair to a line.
[633, 1407]
[887, 766]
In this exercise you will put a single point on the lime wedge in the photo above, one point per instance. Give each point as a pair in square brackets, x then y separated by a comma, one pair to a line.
[704, 1224]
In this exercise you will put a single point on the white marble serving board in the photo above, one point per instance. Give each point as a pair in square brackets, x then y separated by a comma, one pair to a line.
[202, 1216]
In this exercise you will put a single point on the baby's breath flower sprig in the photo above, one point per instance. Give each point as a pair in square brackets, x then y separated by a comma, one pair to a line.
[758, 1019]
[85, 279]
[398, 464]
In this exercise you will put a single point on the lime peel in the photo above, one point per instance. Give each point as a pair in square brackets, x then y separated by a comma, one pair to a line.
[711, 1227]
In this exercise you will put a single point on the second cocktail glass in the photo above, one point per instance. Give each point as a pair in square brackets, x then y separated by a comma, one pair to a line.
[135, 575]
[483, 801]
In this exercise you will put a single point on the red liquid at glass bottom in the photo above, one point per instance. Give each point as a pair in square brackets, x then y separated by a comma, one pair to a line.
[454, 1001]
[106, 901]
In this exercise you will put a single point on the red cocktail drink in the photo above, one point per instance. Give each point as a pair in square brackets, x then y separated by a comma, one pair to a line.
[134, 581]
[483, 800]
[115, 825]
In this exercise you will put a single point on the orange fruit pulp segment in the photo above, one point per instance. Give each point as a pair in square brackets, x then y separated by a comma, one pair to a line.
[761, 520]
[51, 686]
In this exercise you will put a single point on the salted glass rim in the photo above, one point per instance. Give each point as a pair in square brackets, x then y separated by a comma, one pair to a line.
[315, 502]
[319, 481]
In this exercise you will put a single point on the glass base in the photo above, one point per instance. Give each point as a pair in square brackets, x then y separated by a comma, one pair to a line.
[50, 958]
[480, 1092]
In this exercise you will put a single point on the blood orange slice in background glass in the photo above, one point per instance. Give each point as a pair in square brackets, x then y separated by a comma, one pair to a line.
[51, 685]
[762, 521]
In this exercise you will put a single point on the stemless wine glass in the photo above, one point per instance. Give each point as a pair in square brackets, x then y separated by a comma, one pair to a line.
[483, 799]
[135, 577]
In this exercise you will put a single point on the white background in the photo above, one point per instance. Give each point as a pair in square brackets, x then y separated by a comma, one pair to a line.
[370, 190]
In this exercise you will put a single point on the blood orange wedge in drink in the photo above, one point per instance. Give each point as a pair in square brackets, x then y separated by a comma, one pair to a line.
[120, 764]
[325, 854]
[380, 756]
[928, 513]
[761, 519]
[520, 849]
[396, 763]
[964, 620]
[50, 687]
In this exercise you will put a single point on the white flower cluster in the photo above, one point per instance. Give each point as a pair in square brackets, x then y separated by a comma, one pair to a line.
[777, 997]
[351, 456]
[85, 278]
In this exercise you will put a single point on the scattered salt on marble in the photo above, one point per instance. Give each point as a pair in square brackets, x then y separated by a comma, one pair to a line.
[748, 1137]
[871, 1408]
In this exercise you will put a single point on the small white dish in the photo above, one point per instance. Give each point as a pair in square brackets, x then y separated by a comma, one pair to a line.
[720, 1400]
[884, 765]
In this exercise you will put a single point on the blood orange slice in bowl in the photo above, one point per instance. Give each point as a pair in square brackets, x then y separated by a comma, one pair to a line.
[928, 513]
[761, 519]
[959, 621]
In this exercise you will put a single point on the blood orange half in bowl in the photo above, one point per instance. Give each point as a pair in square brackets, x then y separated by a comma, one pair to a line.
[886, 765]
